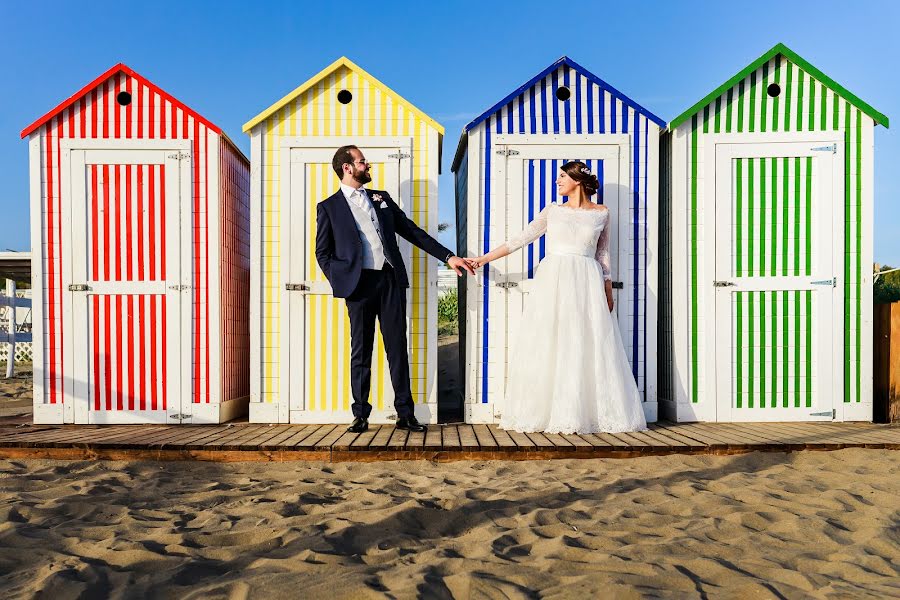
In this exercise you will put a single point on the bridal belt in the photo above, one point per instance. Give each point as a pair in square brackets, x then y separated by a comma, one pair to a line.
[588, 254]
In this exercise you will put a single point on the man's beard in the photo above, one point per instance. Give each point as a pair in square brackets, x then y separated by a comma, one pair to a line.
[362, 177]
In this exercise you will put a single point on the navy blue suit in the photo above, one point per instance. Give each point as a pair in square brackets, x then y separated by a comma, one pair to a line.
[369, 293]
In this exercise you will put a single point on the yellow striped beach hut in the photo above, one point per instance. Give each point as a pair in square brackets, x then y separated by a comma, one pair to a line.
[300, 334]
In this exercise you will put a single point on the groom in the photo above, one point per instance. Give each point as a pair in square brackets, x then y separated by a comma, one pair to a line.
[356, 246]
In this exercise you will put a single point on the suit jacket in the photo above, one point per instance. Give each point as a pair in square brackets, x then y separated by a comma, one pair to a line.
[339, 249]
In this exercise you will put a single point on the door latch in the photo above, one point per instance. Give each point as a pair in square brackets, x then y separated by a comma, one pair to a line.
[832, 282]
[618, 285]
[507, 284]
[180, 416]
[829, 148]
[79, 287]
[508, 152]
[296, 287]
[828, 413]
[179, 155]
[399, 155]
[179, 288]
[723, 284]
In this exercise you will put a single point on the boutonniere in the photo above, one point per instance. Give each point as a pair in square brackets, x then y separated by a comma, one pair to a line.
[377, 198]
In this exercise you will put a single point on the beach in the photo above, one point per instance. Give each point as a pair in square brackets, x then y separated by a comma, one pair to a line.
[758, 525]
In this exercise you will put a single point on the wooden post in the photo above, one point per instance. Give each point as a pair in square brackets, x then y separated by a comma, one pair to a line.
[11, 327]
[886, 367]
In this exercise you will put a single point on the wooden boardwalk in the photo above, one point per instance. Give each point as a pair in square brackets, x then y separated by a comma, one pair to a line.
[254, 442]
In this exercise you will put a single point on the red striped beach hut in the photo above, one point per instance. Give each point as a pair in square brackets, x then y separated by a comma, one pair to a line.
[140, 231]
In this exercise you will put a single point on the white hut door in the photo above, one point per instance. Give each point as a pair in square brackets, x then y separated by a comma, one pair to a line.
[777, 308]
[129, 285]
[315, 328]
[525, 178]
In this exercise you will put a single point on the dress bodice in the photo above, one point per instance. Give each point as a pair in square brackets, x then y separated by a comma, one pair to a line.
[581, 232]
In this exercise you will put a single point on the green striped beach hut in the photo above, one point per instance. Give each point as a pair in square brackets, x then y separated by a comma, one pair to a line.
[766, 203]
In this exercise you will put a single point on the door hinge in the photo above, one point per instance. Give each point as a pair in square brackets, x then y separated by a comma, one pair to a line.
[508, 152]
[399, 155]
[79, 287]
[179, 155]
[180, 416]
[507, 284]
[829, 148]
[832, 282]
[827, 413]
[723, 284]
[296, 287]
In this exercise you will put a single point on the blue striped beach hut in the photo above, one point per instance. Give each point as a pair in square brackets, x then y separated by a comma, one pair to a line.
[766, 242]
[505, 167]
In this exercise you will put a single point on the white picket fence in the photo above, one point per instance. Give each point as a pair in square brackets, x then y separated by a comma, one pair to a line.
[15, 326]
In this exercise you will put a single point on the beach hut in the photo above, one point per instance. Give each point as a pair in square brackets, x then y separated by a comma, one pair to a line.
[766, 245]
[300, 334]
[140, 223]
[505, 165]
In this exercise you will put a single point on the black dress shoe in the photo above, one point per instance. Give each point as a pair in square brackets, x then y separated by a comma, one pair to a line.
[359, 425]
[410, 423]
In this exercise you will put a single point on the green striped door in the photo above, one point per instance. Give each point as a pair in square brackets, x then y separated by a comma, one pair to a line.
[777, 307]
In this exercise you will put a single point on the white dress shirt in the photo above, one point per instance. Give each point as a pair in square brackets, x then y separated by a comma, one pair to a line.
[368, 226]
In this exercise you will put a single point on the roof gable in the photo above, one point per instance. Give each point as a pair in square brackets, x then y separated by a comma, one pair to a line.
[119, 68]
[565, 60]
[341, 62]
[800, 62]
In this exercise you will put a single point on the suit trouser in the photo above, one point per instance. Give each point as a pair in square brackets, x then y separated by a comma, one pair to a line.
[378, 296]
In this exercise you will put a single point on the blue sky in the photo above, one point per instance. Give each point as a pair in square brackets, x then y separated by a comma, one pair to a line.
[230, 60]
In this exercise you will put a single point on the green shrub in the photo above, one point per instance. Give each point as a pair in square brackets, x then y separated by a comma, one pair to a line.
[448, 317]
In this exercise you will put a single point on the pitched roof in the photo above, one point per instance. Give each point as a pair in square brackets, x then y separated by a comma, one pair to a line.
[800, 62]
[565, 60]
[119, 68]
[341, 62]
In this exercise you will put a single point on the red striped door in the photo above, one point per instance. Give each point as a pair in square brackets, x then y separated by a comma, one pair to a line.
[127, 285]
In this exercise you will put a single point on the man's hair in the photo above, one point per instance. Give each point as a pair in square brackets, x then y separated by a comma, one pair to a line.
[342, 157]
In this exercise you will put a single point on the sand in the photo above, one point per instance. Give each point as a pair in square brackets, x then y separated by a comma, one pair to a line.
[761, 525]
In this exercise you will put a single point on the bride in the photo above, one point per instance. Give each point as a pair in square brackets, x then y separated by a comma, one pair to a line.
[568, 370]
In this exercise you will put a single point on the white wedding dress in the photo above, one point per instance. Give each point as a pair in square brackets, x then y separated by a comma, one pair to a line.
[568, 368]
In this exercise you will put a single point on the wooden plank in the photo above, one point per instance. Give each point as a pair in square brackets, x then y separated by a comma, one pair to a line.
[675, 439]
[629, 441]
[433, 438]
[559, 441]
[122, 437]
[287, 432]
[467, 438]
[733, 436]
[416, 439]
[651, 440]
[237, 438]
[381, 439]
[501, 436]
[613, 441]
[763, 432]
[523, 442]
[314, 439]
[450, 437]
[365, 438]
[484, 437]
[346, 440]
[718, 436]
[667, 442]
[691, 437]
[298, 437]
[257, 441]
[179, 434]
[398, 438]
[594, 441]
[334, 435]
[540, 441]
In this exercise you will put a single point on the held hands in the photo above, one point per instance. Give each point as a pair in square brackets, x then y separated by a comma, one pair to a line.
[456, 263]
[477, 262]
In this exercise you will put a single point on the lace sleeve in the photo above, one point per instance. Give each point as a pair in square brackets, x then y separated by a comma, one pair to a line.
[602, 254]
[532, 231]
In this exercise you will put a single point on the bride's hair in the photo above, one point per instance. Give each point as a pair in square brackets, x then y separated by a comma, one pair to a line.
[579, 171]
